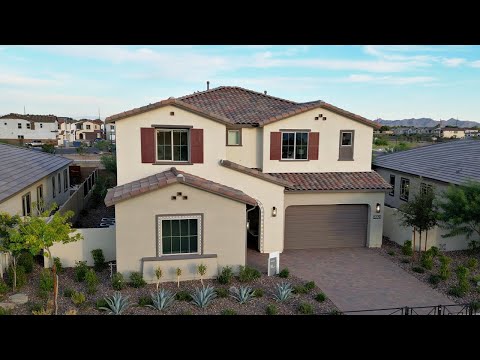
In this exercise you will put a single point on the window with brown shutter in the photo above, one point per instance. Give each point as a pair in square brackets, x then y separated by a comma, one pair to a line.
[196, 146]
[148, 145]
[275, 145]
[313, 142]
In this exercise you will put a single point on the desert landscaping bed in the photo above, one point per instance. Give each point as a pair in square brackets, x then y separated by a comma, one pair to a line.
[393, 251]
[256, 306]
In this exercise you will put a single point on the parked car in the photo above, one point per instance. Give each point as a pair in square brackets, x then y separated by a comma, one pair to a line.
[35, 143]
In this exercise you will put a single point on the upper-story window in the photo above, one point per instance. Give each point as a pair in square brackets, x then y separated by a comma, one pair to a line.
[392, 182]
[19, 125]
[294, 145]
[28, 126]
[234, 137]
[346, 145]
[41, 126]
[112, 127]
[172, 144]
[88, 127]
[404, 189]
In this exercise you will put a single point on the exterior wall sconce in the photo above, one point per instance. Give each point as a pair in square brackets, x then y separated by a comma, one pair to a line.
[274, 211]
[248, 224]
[378, 208]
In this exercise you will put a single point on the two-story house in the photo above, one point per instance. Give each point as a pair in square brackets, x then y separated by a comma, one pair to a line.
[110, 132]
[89, 129]
[196, 174]
[66, 130]
[25, 128]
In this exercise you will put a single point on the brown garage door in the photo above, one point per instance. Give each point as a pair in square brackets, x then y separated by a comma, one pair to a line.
[325, 226]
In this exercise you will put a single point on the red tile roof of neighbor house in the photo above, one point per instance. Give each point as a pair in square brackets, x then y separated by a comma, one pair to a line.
[34, 118]
[236, 105]
[333, 181]
[169, 177]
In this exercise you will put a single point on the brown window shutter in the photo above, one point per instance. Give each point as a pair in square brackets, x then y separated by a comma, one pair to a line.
[148, 145]
[275, 145]
[313, 140]
[196, 146]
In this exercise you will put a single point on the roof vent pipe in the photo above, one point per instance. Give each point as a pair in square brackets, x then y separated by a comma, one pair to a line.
[265, 92]
[208, 85]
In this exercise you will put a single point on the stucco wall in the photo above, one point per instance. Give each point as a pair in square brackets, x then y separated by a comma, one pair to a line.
[94, 238]
[328, 146]
[11, 130]
[224, 225]
[246, 154]
[13, 205]
[374, 232]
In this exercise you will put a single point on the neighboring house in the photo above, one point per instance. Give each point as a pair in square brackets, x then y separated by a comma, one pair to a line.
[28, 176]
[89, 129]
[471, 132]
[195, 172]
[110, 132]
[66, 130]
[402, 130]
[15, 127]
[451, 133]
[422, 169]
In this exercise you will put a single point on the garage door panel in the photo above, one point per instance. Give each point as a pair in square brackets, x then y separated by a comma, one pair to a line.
[325, 226]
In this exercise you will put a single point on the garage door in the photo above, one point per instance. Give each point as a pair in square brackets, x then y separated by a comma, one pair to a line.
[325, 226]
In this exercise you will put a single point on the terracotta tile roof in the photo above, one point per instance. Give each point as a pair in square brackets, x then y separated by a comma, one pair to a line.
[256, 173]
[236, 105]
[332, 181]
[34, 118]
[173, 176]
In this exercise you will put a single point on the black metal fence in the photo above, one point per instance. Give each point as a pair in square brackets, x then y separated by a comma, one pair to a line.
[456, 309]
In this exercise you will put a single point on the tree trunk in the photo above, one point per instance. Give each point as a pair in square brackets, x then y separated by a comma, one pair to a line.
[55, 287]
[426, 239]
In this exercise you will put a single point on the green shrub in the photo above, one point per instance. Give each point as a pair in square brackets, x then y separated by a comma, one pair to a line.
[242, 294]
[183, 296]
[305, 309]
[202, 297]
[5, 311]
[21, 276]
[406, 261]
[186, 312]
[98, 260]
[248, 273]
[434, 251]
[407, 248]
[472, 263]
[444, 271]
[92, 281]
[284, 273]
[81, 269]
[26, 260]
[271, 310]
[456, 291]
[58, 265]
[310, 285]
[391, 253]
[78, 298]
[380, 142]
[299, 289]
[258, 293]
[473, 246]
[118, 282]
[418, 269]
[68, 292]
[462, 276]
[110, 163]
[37, 307]
[46, 281]
[228, 312]
[320, 297]
[475, 305]
[427, 261]
[3, 287]
[434, 279]
[475, 279]
[145, 300]
[226, 276]
[136, 280]
[221, 292]
[116, 304]
[101, 303]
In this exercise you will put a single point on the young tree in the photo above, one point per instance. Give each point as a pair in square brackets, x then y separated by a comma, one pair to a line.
[41, 233]
[460, 210]
[110, 163]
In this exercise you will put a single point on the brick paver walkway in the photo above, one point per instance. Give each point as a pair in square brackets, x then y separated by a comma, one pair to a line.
[356, 278]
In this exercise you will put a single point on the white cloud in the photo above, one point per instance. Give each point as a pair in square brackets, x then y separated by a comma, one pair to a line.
[20, 80]
[388, 80]
[453, 62]
[475, 63]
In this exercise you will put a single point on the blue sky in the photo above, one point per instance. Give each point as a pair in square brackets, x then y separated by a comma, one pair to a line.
[390, 82]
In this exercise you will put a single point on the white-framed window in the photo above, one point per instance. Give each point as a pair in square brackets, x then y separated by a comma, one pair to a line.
[19, 125]
[40, 205]
[112, 127]
[26, 205]
[404, 189]
[172, 144]
[347, 138]
[179, 234]
[294, 145]
[65, 180]
[28, 126]
[88, 127]
[233, 137]
[426, 188]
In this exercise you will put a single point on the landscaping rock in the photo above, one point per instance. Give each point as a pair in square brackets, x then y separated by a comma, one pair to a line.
[7, 306]
[19, 298]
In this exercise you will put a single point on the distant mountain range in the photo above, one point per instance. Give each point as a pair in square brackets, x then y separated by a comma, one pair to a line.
[427, 122]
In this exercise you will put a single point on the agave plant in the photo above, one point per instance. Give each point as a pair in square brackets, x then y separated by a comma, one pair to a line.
[116, 304]
[283, 292]
[202, 297]
[242, 294]
[162, 299]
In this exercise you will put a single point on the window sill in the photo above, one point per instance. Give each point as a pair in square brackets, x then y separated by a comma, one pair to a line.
[179, 257]
[172, 163]
[346, 160]
[403, 199]
[293, 160]
[234, 145]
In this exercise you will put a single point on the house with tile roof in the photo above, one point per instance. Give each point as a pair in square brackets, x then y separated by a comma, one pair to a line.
[204, 176]
[29, 177]
[427, 168]
[18, 128]
[86, 129]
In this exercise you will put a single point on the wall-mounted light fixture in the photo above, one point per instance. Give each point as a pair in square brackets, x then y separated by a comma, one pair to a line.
[378, 208]
[274, 211]
[248, 224]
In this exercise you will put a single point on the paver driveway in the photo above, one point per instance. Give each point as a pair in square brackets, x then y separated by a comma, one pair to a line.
[360, 278]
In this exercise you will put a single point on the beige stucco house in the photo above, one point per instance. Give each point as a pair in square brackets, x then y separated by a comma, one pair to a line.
[89, 129]
[30, 177]
[203, 176]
